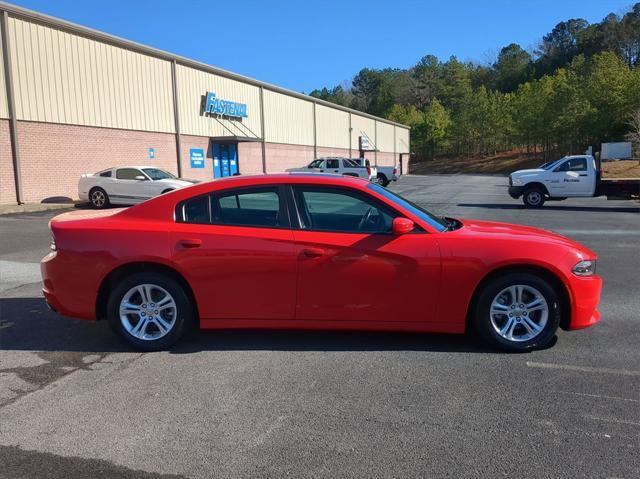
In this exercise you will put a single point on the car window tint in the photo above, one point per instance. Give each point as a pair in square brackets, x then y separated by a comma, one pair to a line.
[248, 208]
[128, 173]
[196, 210]
[333, 164]
[106, 174]
[577, 164]
[335, 210]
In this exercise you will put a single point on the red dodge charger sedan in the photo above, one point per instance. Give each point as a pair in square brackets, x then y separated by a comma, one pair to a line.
[301, 251]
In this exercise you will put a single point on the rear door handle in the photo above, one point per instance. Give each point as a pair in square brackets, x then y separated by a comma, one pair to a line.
[313, 252]
[190, 243]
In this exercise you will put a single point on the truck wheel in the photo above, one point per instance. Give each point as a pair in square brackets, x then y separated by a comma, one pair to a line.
[533, 197]
[98, 198]
[382, 179]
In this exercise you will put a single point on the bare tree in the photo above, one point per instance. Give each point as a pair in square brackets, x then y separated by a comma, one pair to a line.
[634, 132]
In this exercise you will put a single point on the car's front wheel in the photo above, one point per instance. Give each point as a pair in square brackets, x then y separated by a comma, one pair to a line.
[150, 311]
[518, 312]
[98, 198]
[533, 197]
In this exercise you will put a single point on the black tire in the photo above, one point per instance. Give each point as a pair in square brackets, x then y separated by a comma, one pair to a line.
[181, 320]
[98, 198]
[484, 325]
[533, 197]
[382, 179]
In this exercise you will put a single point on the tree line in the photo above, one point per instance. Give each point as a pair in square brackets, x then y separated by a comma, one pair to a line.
[580, 86]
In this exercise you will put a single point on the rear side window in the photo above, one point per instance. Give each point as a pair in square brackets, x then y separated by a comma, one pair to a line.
[333, 164]
[106, 174]
[196, 210]
[251, 207]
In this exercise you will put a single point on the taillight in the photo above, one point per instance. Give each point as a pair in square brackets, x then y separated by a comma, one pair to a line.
[395, 170]
[368, 170]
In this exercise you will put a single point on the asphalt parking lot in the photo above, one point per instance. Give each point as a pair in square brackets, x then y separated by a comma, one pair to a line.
[74, 402]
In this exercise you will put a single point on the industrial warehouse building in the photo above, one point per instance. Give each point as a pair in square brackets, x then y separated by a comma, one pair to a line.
[74, 100]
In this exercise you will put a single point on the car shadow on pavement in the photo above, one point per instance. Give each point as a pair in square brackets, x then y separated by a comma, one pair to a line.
[26, 324]
[547, 206]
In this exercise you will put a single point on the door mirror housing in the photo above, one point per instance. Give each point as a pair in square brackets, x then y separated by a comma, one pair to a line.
[402, 226]
[141, 178]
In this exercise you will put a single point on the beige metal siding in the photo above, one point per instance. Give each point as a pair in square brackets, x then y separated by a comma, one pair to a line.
[362, 126]
[385, 137]
[402, 139]
[194, 84]
[287, 119]
[332, 127]
[65, 78]
[4, 108]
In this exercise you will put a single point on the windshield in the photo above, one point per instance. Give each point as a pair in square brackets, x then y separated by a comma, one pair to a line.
[437, 223]
[550, 165]
[315, 164]
[156, 174]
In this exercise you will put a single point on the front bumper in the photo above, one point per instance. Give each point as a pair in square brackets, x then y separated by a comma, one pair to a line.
[585, 297]
[516, 191]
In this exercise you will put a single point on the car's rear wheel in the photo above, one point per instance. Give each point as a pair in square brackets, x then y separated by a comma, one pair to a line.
[150, 311]
[533, 197]
[518, 312]
[98, 198]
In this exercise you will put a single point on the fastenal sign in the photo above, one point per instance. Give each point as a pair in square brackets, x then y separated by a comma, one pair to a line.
[216, 106]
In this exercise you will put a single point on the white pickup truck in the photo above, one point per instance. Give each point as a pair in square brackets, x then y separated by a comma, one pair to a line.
[338, 166]
[384, 175]
[569, 177]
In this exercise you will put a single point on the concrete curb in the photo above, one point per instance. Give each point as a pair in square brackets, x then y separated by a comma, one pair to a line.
[33, 208]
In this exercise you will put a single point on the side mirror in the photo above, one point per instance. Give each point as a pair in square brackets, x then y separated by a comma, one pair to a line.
[141, 178]
[402, 226]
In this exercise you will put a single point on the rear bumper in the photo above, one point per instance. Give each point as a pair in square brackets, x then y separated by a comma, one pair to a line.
[585, 298]
[61, 290]
[516, 191]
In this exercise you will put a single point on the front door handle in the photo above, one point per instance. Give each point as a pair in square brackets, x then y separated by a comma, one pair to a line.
[190, 243]
[313, 252]
[583, 174]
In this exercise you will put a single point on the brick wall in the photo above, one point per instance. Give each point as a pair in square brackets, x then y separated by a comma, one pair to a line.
[7, 181]
[53, 156]
[281, 156]
[186, 143]
[342, 152]
[250, 158]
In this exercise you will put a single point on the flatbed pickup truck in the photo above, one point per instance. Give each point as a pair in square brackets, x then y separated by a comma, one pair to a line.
[578, 176]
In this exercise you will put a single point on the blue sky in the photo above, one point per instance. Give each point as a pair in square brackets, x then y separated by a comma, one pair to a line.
[307, 44]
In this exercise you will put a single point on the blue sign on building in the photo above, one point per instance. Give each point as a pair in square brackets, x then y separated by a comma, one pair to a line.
[152, 153]
[196, 156]
[218, 106]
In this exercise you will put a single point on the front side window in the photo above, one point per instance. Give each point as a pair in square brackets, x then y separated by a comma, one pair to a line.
[339, 210]
[156, 174]
[128, 173]
[248, 208]
[573, 164]
[437, 223]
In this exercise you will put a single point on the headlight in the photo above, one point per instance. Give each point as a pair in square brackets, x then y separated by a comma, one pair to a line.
[53, 244]
[517, 182]
[585, 268]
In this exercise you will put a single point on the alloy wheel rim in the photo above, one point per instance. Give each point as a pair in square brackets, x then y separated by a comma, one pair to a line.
[148, 312]
[98, 198]
[519, 313]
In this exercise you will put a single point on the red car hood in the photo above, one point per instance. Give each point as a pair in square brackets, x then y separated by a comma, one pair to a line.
[490, 228]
